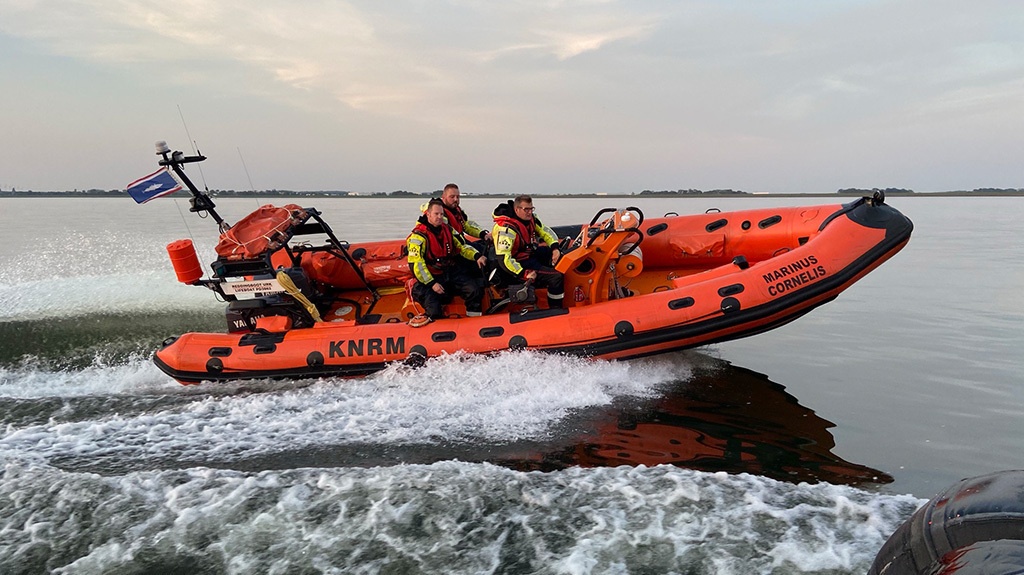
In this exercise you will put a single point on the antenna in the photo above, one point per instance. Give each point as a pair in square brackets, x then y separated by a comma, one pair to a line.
[195, 148]
[251, 187]
[201, 201]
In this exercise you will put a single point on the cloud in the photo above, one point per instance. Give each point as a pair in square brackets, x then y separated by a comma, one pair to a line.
[565, 44]
[988, 99]
[563, 84]
[342, 49]
[298, 45]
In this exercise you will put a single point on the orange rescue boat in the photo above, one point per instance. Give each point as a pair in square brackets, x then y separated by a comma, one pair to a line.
[301, 303]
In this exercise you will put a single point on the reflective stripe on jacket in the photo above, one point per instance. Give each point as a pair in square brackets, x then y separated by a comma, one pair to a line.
[432, 250]
[514, 240]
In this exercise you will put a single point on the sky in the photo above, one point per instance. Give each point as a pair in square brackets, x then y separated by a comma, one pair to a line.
[516, 96]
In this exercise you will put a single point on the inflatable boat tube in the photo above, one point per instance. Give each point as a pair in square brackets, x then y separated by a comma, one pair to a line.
[975, 526]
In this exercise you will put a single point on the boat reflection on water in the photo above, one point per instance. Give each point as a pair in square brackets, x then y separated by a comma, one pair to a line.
[722, 418]
[714, 417]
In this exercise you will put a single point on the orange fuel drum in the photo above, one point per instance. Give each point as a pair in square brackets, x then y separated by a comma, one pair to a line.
[185, 261]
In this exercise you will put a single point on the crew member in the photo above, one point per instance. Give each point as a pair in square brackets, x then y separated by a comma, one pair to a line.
[458, 219]
[471, 233]
[525, 249]
[434, 251]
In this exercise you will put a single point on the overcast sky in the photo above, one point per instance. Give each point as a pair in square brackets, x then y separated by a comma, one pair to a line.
[516, 96]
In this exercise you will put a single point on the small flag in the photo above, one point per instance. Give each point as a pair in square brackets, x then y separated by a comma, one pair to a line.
[159, 183]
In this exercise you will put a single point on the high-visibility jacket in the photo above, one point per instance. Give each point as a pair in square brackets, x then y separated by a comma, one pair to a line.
[433, 250]
[515, 239]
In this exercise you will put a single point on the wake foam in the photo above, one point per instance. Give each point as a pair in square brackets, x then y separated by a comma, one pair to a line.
[456, 398]
[33, 379]
[445, 517]
[78, 274]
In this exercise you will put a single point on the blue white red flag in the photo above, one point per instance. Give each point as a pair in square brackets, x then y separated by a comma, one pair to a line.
[159, 183]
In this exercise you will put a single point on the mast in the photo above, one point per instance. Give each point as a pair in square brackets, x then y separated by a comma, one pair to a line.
[200, 201]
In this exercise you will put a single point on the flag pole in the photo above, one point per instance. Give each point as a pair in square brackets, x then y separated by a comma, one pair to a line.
[201, 201]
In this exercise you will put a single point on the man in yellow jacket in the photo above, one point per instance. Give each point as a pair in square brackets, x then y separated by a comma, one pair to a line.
[458, 219]
[434, 251]
[527, 250]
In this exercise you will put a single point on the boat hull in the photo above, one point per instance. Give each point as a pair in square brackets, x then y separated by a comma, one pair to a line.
[831, 248]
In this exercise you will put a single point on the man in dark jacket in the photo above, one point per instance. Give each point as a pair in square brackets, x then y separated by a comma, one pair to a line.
[471, 233]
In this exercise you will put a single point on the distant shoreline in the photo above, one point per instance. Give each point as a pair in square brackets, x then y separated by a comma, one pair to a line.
[393, 195]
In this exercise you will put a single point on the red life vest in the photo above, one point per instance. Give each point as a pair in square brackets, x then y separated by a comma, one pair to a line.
[440, 246]
[526, 236]
[456, 218]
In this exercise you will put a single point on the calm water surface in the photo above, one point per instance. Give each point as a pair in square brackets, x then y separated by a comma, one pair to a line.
[794, 451]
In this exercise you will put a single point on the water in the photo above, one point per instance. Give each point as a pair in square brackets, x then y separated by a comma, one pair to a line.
[795, 451]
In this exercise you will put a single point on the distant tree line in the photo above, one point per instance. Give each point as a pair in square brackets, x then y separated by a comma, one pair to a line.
[997, 191]
[906, 192]
[867, 192]
[94, 192]
[690, 192]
